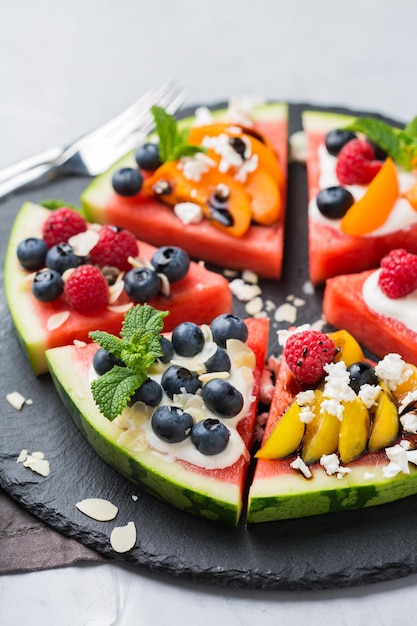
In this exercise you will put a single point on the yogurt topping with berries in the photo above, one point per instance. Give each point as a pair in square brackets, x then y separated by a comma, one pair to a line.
[402, 216]
[401, 309]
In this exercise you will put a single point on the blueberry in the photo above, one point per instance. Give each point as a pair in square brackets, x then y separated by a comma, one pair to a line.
[172, 261]
[104, 361]
[167, 350]
[187, 339]
[62, 257]
[31, 253]
[222, 398]
[336, 139]
[210, 436]
[380, 153]
[147, 157]
[228, 326]
[47, 285]
[362, 373]
[334, 202]
[127, 181]
[150, 393]
[176, 379]
[142, 284]
[219, 362]
[171, 424]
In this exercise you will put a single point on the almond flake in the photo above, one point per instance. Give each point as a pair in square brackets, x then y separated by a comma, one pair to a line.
[57, 320]
[115, 291]
[123, 538]
[120, 308]
[37, 463]
[98, 508]
[84, 242]
[22, 456]
[286, 313]
[16, 400]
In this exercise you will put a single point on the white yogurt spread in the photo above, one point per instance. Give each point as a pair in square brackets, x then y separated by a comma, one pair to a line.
[401, 309]
[135, 421]
[402, 216]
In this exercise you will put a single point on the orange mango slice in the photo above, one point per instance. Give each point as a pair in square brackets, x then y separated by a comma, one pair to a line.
[286, 437]
[372, 210]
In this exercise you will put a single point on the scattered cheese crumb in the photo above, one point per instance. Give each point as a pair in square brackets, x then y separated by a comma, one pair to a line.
[16, 400]
[393, 370]
[98, 508]
[298, 464]
[194, 167]
[369, 394]
[134, 497]
[123, 538]
[331, 464]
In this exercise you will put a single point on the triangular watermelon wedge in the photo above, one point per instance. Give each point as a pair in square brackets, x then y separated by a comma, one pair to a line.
[260, 249]
[331, 251]
[214, 491]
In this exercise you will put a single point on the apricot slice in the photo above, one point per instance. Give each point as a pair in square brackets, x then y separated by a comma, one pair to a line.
[348, 349]
[286, 437]
[265, 197]
[354, 430]
[410, 384]
[385, 425]
[411, 196]
[232, 215]
[372, 210]
[321, 434]
[266, 155]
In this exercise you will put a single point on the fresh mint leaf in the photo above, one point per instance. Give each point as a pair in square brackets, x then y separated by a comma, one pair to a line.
[113, 390]
[138, 347]
[400, 145]
[54, 203]
[173, 141]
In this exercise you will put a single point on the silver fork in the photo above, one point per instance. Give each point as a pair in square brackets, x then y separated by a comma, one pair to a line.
[96, 151]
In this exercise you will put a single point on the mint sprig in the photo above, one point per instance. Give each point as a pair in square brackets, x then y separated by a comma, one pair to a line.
[173, 141]
[138, 346]
[399, 144]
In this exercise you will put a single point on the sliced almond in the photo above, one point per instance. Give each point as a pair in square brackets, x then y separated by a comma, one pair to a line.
[98, 508]
[123, 538]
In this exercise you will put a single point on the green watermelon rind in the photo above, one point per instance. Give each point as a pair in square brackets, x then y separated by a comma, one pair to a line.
[323, 122]
[194, 492]
[31, 336]
[289, 495]
[100, 188]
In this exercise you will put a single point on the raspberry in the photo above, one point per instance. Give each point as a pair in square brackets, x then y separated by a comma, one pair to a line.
[86, 289]
[398, 276]
[114, 247]
[306, 353]
[62, 224]
[356, 164]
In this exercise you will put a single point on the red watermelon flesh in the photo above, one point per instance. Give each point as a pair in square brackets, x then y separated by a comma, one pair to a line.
[331, 252]
[260, 249]
[344, 307]
[199, 297]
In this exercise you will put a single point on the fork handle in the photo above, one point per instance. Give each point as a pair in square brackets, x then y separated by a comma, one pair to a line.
[24, 177]
[47, 156]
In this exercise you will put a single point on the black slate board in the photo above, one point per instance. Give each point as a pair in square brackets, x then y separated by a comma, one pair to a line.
[338, 550]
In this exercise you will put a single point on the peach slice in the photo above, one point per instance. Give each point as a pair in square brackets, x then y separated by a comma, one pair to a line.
[286, 437]
[354, 430]
[371, 211]
[385, 425]
[321, 434]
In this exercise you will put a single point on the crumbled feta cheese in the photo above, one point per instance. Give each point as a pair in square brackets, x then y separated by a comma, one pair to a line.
[304, 398]
[98, 508]
[298, 464]
[286, 313]
[405, 444]
[123, 538]
[412, 456]
[336, 388]
[194, 167]
[188, 212]
[369, 394]
[409, 422]
[202, 116]
[393, 370]
[16, 400]
[248, 166]
[220, 144]
[398, 457]
[409, 398]
[306, 414]
[331, 464]
[240, 109]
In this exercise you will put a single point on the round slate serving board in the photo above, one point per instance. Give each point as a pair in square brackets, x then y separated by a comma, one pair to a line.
[338, 550]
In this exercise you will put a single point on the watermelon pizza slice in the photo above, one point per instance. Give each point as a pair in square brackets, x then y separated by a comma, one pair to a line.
[362, 188]
[341, 431]
[216, 187]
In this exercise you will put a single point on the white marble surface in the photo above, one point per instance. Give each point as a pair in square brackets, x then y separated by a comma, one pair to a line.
[68, 66]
